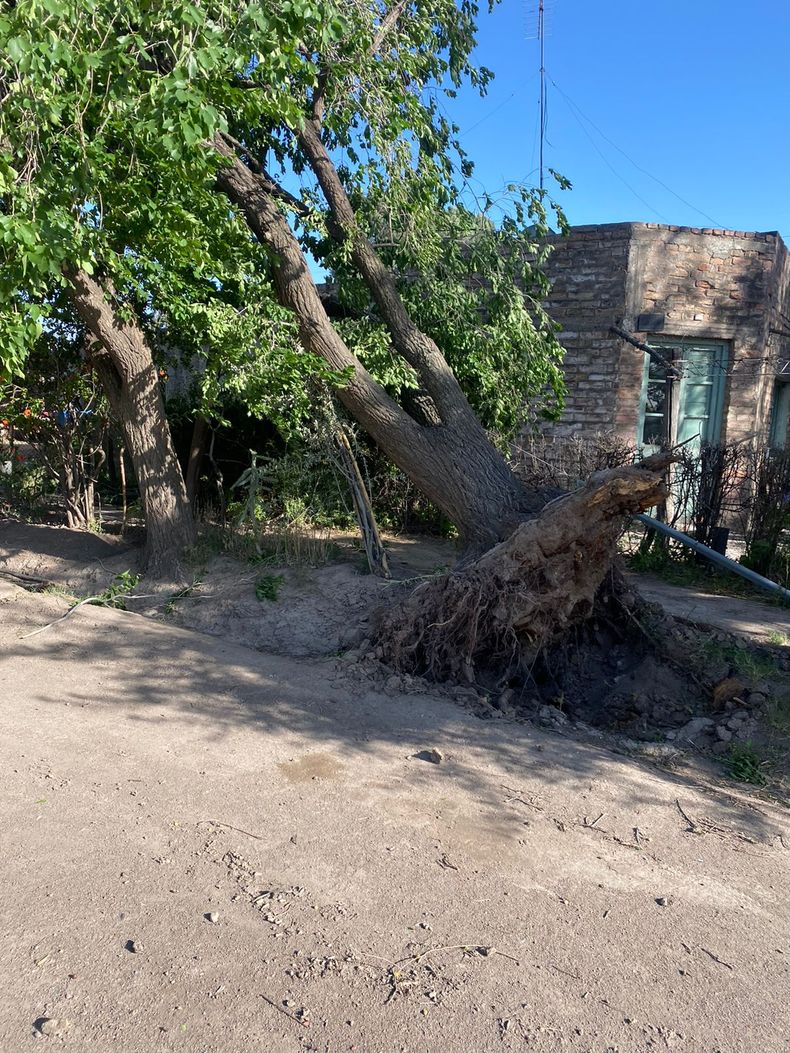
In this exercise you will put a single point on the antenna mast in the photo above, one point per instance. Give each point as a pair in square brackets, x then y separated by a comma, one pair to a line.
[542, 39]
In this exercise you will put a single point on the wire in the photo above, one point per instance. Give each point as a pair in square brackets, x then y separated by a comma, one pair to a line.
[490, 113]
[607, 162]
[639, 168]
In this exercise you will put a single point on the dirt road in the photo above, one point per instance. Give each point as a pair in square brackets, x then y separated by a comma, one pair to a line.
[213, 850]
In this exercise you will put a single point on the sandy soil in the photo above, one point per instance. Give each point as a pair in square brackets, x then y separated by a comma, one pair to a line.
[212, 849]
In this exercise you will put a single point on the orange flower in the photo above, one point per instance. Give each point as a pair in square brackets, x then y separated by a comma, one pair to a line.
[27, 412]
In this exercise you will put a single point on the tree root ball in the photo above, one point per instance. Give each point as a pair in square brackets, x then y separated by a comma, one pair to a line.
[525, 593]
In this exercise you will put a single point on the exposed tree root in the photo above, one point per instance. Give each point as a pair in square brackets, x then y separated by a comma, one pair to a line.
[526, 592]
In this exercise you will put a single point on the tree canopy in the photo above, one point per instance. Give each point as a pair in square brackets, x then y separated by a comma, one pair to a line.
[107, 112]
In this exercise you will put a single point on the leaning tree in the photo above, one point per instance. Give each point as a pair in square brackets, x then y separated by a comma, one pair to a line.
[322, 127]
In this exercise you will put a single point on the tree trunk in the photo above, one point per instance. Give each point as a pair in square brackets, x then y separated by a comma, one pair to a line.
[524, 593]
[197, 449]
[454, 464]
[126, 369]
[538, 566]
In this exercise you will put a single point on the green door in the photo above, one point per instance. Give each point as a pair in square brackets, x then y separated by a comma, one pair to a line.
[780, 415]
[698, 395]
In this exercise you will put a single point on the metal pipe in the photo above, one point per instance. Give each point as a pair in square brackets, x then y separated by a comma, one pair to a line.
[716, 557]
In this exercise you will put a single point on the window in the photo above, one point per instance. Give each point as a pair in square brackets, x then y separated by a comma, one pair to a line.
[690, 406]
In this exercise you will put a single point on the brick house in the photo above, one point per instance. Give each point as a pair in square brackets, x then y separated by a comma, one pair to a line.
[713, 304]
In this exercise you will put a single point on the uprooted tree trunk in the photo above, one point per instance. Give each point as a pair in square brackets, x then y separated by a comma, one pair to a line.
[521, 595]
[125, 366]
[532, 576]
[453, 463]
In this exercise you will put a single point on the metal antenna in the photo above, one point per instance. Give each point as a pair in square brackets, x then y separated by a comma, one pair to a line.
[542, 39]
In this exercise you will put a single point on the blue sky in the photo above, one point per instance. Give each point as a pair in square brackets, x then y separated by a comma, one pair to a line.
[695, 93]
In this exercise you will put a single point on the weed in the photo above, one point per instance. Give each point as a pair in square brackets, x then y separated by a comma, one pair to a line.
[779, 639]
[115, 594]
[744, 764]
[60, 590]
[747, 663]
[267, 587]
[170, 606]
[777, 714]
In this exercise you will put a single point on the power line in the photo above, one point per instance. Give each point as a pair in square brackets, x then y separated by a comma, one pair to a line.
[542, 37]
[608, 163]
[574, 107]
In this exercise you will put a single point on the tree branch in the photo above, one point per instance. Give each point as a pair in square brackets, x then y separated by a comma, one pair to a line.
[418, 349]
[378, 413]
[387, 23]
[270, 185]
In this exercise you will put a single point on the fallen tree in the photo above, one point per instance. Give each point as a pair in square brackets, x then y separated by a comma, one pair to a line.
[517, 599]
[444, 293]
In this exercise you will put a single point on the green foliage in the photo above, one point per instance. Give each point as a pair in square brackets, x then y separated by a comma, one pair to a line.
[108, 110]
[58, 411]
[743, 762]
[475, 284]
[267, 587]
[749, 664]
[115, 594]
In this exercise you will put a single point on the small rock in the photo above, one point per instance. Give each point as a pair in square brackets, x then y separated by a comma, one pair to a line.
[393, 683]
[720, 748]
[755, 699]
[696, 728]
[662, 901]
[212, 916]
[131, 945]
[552, 715]
[723, 733]
[433, 756]
[52, 1026]
[465, 694]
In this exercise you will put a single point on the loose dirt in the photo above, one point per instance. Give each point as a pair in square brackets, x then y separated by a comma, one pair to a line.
[210, 848]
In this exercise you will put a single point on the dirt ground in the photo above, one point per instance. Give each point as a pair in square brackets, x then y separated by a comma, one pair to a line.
[219, 850]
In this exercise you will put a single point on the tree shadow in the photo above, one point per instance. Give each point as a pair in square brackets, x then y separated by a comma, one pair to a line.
[207, 691]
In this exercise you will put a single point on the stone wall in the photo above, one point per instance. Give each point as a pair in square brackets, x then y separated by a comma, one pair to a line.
[704, 283]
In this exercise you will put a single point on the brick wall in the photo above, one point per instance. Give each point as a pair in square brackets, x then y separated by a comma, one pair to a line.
[709, 284]
[588, 271]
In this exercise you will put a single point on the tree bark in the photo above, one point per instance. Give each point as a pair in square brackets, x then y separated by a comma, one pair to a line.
[126, 369]
[197, 449]
[454, 464]
[521, 595]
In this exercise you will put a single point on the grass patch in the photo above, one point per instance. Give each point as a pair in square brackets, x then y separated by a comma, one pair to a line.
[744, 764]
[267, 587]
[777, 715]
[747, 663]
